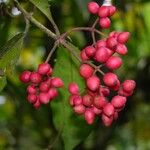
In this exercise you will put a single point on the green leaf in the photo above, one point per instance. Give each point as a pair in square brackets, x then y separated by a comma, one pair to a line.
[2, 82]
[73, 127]
[11, 50]
[43, 6]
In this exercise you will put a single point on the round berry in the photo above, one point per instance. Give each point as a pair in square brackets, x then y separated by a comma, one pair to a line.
[57, 82]
[103, 11]
[35, 77]
[114, 63]
[31, 89]
[73, 88]
[93, 83]
[109, 110]
[90, 51]
[77, 100]
[110, 79]
[44, 68]
[118, 101]
[87, 100]
[116, 87]
[25, 76]
[101, 55]
[83, 55]
[124, 93]
[99, 101]
[112, 10]
[37, 104]
[123, 37]
[79, 109]
[89, 116]
[32, 98]
[104, 22]
[104, 91]
[93, 7]
[101, 43]
[52, 92]
[107, 121]
[71, 99]
[44, 86]
[128, 85]
[111, 42]
[86, 70]
[96, 110]
[44, 98]
[121, 49]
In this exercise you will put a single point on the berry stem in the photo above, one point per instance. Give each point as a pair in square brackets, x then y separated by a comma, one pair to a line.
[51, 52]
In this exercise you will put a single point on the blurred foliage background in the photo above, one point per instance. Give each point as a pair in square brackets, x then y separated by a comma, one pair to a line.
[22, 127]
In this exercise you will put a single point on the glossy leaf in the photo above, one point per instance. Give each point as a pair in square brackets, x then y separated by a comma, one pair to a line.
[73, 127]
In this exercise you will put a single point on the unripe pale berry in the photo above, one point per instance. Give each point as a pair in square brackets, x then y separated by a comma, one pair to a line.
[104, 22]
[44, 98]
[111, 42]
[32, 98]
[121, 49]
[118, 101]
[52, 92]
[108, 110]
[79, 109]
[128, 85]
[93, 83]
[101, 55]
[110, 79]
[107, 121]
[101, 43]
[103, 11]
[77, 100]
[104, 91]
[83, 55]
[123, 37]
[57, 82]
[31, 89]
[89, 116]
[90, 51]
[35, 77]
[25, 76]
[73, 88]
[93, 7]
[87, 100]
[112, 10]
[114, 63]
[86, 71]
[99, 101]
[44, 86]
[44, 68]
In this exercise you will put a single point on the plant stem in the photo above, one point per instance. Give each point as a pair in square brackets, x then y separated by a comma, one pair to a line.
[51, 52]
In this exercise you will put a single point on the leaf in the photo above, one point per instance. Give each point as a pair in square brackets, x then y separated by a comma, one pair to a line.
[74, 129]
[2, 82]
[11, 50]
[43, 6]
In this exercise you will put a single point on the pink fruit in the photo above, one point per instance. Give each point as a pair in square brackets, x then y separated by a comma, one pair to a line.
[44, 68]
[90, 51]
[107, 121]
[128, 85]
[111, 42]
[103, 11]
[89, 116]
[99, 101]
[57, 82]
[83, 55]
[121, 49]
[32, 98]
[87, 100]
[123, 37]
[104, 22]
[44, 98]
[108, 110]
[79, 109]
[35, 77]
[73, 88]
[93, 7]
[31, 89]
[25, 76]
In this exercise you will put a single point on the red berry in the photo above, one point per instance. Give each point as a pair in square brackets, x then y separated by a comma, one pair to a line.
[124, 93]
[107, 121]
[104, 91]
[77, 100]
[44, 86]
[86, 71]
[114, 63]
[71, 99]
[44, 68]
[32, 98]
[73, 88]
[93, 7]
[128, 85]
[118, 101]
[121, 49]
[104, 22]
[35, 77]
[101, 55]
[52, 92]
[110, 79]
[89, 116]
[96, 110]
[99, 101]
[57, 82]
[31, 89]
[111, 42]
[112, 10]
[101, 43]
[93, 83]
[87, 100]
[123, 37]
[108, 110]
[103, 11]
[116, 87]
[37, 104]
[83, 55]
[79, 109]
[90, 51]
[25, 76]
[44, 98]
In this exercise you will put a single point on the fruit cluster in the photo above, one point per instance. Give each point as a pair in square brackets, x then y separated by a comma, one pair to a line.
[105, 53]
[103, 12]
[42, 88]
